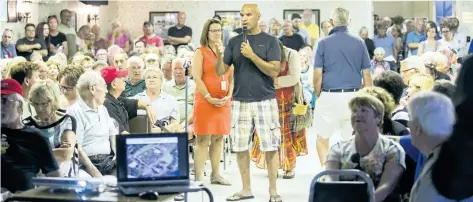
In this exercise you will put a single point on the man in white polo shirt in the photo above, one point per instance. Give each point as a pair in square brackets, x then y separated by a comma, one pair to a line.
[95, 129]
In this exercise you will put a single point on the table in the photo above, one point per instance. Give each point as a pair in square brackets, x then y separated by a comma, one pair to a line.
[109, 195]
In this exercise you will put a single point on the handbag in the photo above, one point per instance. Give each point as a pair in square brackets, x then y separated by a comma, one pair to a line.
[301, 114]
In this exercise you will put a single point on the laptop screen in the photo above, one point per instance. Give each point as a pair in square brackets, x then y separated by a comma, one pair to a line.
[152, 157]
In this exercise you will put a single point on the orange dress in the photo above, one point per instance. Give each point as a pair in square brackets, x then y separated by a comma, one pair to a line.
[208, 119]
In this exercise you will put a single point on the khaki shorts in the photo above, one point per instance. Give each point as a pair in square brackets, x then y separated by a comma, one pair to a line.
[261, 117]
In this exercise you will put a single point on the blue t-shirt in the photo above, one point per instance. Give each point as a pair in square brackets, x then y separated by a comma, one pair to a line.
[413, 37]
[414, 153]
[342, 61]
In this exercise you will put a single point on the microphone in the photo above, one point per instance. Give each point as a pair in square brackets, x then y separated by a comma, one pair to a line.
[245, 33]
[355, 158]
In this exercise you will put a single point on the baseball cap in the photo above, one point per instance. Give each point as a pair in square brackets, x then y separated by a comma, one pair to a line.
[10, 86]
[147, 23]
[111, 73]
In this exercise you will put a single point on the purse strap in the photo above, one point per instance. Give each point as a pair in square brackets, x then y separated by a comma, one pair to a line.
[298, 93]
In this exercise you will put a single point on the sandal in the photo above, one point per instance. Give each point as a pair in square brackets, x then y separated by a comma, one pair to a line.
[275, 198]
[239, 197]
[220, 180]
[288, 175]
[179, 197]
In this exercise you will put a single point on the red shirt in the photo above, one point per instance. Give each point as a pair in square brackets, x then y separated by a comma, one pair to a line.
[154, 41]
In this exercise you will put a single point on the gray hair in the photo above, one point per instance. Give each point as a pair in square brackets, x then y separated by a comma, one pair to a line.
[135, 60]
[362, 29]
[88, 79]
[434, 57]
[434, 112]
[178, 61]
[340, 17]
[157, 70]
[379, 50]
[415, 62]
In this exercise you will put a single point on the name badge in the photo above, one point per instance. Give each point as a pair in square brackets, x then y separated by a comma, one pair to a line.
[223, 85]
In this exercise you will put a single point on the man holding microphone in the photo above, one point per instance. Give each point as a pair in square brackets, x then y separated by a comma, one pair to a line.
[256, 57]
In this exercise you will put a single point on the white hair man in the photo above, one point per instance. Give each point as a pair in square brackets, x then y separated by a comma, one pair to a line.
[177, 88]
[134, 83]
[95, 129]
[8, 48]
[335, 88]
[432, 118]
[25, 151]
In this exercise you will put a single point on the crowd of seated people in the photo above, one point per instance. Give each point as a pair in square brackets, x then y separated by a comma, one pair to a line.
[64, 101]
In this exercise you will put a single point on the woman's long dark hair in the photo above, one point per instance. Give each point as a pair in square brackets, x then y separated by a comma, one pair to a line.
[433, 25]
[40, 31]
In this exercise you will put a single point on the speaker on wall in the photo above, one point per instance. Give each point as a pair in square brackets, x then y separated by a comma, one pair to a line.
[95, 2]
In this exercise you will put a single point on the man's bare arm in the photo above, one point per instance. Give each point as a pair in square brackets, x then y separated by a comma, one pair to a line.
[270, 68]
[317, 81]
[367, 80]
[185, 39]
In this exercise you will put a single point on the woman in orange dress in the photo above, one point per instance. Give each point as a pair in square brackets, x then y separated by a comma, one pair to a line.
[212, 104]
[294, 144]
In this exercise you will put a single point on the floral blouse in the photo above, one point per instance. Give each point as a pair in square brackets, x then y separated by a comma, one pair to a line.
[385, 150]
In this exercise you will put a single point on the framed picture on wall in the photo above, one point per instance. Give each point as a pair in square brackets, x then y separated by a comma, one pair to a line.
[12, 11]
[163, 21]
[315, 18]
[230, 19]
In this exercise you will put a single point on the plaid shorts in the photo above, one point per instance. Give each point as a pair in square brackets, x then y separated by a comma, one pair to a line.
[261, 117]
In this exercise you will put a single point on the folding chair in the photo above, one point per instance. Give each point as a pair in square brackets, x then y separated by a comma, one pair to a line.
[342, 191]
[140, 124]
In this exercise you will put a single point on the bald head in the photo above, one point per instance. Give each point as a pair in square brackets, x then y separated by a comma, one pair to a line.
[250, 16]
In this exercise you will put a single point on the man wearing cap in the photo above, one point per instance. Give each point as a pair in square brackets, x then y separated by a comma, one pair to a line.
[120, 108]
[24, 150]
[149, 36]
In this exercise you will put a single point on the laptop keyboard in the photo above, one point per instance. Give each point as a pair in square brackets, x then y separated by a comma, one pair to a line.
[160, 189]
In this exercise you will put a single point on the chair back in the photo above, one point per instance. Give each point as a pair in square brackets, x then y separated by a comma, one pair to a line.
[140, 124]
[342, 191]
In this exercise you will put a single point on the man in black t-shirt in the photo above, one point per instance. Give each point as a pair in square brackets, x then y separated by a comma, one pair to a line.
[256, 63]
[291, 39]
[180, 34]
[58, 39]
[26, 46]
[24, 150]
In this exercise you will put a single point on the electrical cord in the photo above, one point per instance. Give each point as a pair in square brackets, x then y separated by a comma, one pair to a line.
[209, 193]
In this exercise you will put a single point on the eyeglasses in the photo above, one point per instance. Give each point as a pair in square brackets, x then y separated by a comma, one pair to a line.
[66, 88]
[215, 30]
[8, 100]
[35, 104]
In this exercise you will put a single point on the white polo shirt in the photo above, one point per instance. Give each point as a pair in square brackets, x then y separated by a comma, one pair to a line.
[94, 127]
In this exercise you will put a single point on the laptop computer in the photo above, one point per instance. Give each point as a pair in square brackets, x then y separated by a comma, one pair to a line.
[153, 162]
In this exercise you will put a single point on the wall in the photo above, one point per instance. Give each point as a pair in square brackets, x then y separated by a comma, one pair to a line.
[40, 12]
[464, 11]
[199, 11]
[133, 13]
[404, 8]
[19, 27]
